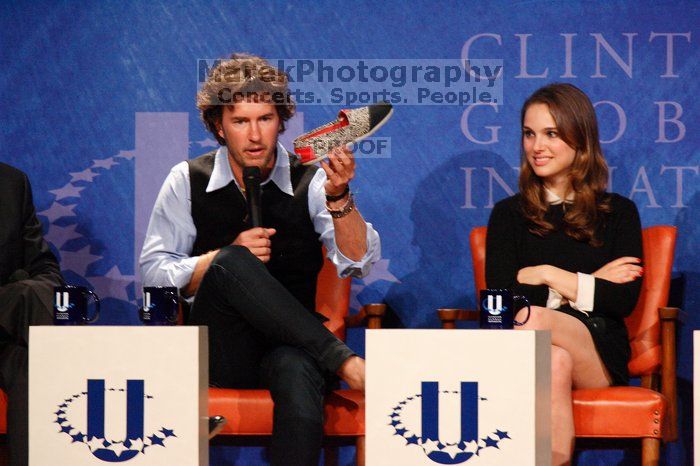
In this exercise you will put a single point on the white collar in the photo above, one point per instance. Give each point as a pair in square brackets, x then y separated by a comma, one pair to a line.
[222, 174]
[553, 199]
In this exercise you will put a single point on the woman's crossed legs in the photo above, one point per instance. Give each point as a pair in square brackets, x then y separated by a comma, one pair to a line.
[575, 364]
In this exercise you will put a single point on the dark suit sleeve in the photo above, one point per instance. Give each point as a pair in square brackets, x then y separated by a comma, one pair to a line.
[620, 299]
[39, 262]
[27, 297]
[502, 258]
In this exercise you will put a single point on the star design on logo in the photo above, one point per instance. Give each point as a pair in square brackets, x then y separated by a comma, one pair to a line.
[69, 190]
[470, 447]
[502, 435]
[78, 261]
[379, 272]
[57, 211]
[207, 142]
[453, 450]
[489, 442]
[355, 290]
[429, 446]
[59, 235]
[135, 444]
[95, 443]
[112, 284]
[433, 448]
[118, 447]
[104, 163]
[85, 175]
[155, 440]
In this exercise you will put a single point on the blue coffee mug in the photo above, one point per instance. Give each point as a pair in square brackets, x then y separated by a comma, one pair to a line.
[70, 305]
[498, 310]
[160, 305]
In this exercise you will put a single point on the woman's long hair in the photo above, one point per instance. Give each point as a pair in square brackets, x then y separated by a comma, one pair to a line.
[577, 125]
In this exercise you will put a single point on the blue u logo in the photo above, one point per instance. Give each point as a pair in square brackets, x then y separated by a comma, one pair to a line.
[405, 423]
[96, 417]
[469, 413]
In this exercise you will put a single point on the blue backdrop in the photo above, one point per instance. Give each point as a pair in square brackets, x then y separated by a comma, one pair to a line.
[98, 104]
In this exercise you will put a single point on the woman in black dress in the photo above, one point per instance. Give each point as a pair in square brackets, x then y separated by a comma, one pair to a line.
[571, 248]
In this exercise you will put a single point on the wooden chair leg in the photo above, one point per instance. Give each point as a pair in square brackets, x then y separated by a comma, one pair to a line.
[650, 381]
[650, 451]
[330, 456]
[360, 451]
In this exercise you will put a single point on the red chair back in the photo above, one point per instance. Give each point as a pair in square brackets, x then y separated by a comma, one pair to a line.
[333, 297]
[643, 325]
[477, 244]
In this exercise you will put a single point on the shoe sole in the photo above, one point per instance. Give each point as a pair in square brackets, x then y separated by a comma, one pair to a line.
[370, 133]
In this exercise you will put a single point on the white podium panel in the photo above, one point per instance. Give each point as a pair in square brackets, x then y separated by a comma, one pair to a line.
[101, 395]
[478, 397]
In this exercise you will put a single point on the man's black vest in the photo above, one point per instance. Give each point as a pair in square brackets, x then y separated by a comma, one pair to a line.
[221, 215]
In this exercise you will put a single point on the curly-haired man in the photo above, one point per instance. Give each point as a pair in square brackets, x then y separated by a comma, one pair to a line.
[255, 287]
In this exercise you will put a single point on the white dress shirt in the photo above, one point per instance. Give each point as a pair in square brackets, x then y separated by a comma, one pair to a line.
[166, 255]
[586, 282]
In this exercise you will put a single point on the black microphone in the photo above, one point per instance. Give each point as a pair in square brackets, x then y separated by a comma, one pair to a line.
[251, 179]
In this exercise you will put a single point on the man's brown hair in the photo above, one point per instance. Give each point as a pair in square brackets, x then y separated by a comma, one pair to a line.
[243, 77]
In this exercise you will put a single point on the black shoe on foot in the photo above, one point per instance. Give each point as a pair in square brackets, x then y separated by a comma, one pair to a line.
[216, 423]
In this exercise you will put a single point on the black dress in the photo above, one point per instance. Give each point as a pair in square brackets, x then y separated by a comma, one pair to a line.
[510, 247]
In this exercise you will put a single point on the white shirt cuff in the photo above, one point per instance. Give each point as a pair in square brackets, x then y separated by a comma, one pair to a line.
[554, 299]
[358, 269]
[586, 293]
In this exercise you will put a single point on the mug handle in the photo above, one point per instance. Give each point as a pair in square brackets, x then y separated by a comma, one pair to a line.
[176, 300]
[527, 303]
[97, 307]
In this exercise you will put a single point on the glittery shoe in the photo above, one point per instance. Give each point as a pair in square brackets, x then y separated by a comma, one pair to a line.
[351, 126]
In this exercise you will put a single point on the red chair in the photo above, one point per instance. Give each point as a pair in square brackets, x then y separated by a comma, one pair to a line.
[648, 412]
[249, 412]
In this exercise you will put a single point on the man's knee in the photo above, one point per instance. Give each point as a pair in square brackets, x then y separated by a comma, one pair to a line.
[234, 257]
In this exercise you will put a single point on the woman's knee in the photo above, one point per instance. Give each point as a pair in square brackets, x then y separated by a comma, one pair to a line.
[539, 318]
[562, 367]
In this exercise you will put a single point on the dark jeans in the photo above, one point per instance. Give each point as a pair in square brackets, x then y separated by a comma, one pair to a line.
[21, 304]
[260, 336]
